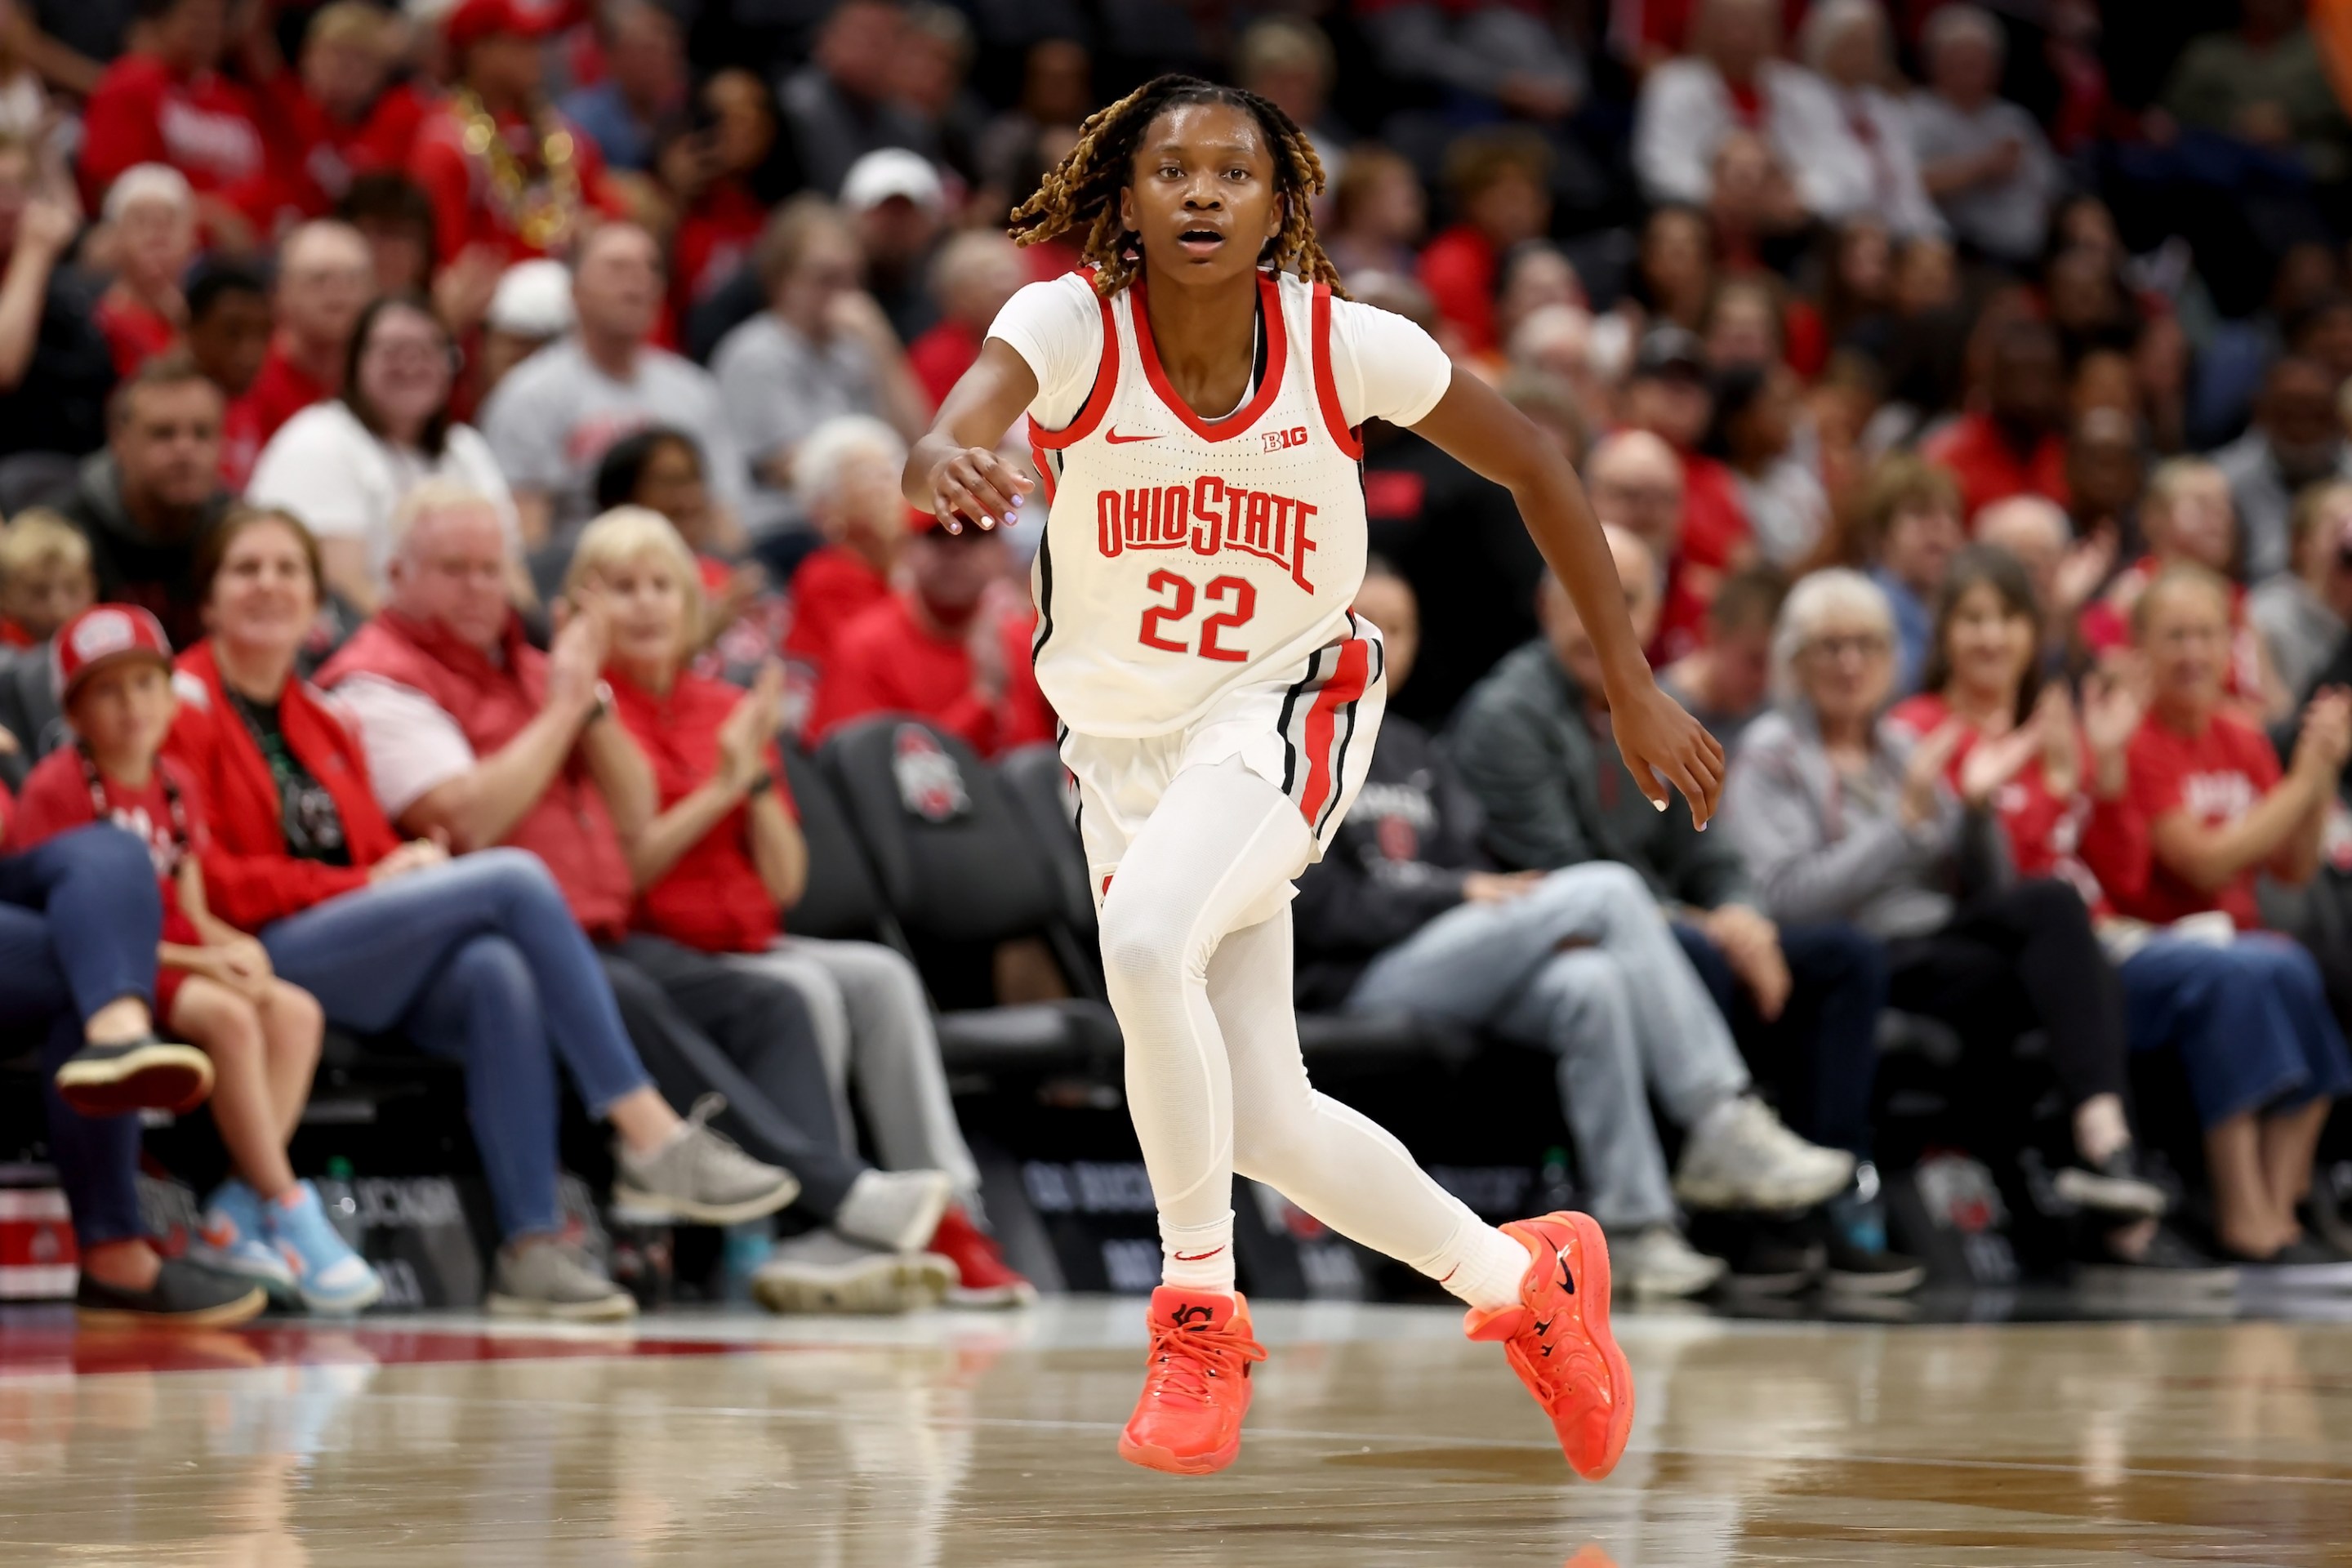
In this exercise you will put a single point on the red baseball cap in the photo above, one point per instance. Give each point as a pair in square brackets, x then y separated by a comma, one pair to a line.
[100, 636]
[471, 21]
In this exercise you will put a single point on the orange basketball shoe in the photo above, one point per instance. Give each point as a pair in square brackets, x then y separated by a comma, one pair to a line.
[1558, 1339]
[1196, 1390]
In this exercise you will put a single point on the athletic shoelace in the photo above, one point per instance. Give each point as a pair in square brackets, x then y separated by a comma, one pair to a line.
[1185, 1360]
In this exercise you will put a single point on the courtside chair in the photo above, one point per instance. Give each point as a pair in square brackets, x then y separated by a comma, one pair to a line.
[957, 872]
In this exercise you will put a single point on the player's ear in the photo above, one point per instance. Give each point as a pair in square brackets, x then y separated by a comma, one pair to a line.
[1127, 210]
[1276, 214]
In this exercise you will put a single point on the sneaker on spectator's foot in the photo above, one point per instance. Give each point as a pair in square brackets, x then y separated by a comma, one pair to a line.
[1657, 1263]
[894, 1210]
[2306, 1263]
[824, 1272]
[1557, 1338]
[184, 1295]
[2114, 1186]
[546, 1278]
[982, 1276]
[1196, 1384]
[330, 1277]
[1772, 1258]
[2169, 1267]
[144, 1074]
[1739, 1156]
[1854, 1270]
[233, 1237]
[699, 1175]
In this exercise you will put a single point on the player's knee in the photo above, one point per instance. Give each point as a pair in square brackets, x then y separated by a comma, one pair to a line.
[1144, 953]
[1272, 1148]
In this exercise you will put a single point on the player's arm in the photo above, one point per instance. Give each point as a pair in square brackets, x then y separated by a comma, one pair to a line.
[1659, 739]
[954, 472]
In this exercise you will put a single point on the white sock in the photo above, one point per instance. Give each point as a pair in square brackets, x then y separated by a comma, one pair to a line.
[1480, 1264]
[1198, 1256]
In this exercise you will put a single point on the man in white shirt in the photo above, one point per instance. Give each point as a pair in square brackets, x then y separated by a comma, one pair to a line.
[1982, 158]
[1732, 82]
[553, 416]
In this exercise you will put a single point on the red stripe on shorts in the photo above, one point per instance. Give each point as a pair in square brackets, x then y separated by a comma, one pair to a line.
[1345, 686]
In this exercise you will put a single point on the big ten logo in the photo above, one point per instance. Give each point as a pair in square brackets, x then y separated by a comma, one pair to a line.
[418, 1203]
[1131, 1266]
[1088, 1186]
[1282, 440]
[1488, 1189]
[402, 1290]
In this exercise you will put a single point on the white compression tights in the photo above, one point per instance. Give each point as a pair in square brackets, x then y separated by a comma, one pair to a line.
[1214, 1079]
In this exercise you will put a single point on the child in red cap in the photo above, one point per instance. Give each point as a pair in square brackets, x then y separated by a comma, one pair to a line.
[213, 986]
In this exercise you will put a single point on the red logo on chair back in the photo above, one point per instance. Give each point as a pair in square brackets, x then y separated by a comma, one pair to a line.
[929, 785]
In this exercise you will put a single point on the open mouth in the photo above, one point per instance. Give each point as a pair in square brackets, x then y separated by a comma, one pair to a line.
[1200, 241]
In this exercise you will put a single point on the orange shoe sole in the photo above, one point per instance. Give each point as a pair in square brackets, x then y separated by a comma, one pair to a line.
[1152, 1458]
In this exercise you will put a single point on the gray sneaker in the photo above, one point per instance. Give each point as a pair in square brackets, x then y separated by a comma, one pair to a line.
[551, 1278]
[700, 1176]
[1658, 1264]
[894, 1210]
[1740, 1157]
[825, 1272]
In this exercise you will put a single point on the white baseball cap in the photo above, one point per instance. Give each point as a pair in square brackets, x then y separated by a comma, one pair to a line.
[533, 300]
[889, 171]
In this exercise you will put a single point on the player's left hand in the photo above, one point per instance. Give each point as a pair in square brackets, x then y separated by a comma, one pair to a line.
[976, 486]
[1660, 740]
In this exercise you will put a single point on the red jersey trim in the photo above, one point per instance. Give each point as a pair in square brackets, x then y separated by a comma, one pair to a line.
[1098, 401]
[1277, 352]
[1327, 388]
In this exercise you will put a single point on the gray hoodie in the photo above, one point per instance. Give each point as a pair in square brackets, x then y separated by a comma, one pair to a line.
[1823, 847]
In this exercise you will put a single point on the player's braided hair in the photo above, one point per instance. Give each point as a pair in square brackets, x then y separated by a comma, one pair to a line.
[1081, 193]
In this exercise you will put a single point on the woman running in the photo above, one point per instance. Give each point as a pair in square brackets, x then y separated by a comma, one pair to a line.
[1193, 400]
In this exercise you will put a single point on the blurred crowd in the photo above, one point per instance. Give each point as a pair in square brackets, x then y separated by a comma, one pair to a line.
[487, 419]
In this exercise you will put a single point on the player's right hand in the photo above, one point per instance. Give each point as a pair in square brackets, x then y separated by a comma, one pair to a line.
[976, 486]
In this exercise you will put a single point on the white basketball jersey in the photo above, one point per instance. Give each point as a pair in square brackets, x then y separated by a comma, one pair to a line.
[1183, 556]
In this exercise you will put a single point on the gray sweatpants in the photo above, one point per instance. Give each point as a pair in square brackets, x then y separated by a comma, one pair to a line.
[873, 1030]
[1585, 965]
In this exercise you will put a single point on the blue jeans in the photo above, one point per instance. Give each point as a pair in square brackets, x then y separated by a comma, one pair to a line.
[479, 961]
[79, 919]
[1585, 965]
[1820, 1055]
[2250, 1021]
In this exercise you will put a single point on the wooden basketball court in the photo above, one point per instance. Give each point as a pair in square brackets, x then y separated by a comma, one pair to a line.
[1378, 1436]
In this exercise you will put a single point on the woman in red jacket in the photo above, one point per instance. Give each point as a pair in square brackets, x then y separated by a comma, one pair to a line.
[724, 859]
[476, 959]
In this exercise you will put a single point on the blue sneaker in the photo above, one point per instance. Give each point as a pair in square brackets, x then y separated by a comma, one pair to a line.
[233, 1238]
[330, 1277]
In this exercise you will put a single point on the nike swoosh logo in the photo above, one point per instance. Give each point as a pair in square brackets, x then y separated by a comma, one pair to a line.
[1198, 1256]
[1116, 440]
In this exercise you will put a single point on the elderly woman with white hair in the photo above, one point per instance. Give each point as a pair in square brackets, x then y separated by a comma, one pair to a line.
[846, 483]
[721, 861]
[1982, 158]
[1842, 816]
[151, 222]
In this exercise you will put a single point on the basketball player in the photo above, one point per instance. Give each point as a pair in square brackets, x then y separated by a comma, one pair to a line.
[1193, 403]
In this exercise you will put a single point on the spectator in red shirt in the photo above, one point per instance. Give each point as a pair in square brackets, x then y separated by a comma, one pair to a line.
[166, 103]
[727, 177]
[228, 336]
[332, 117]
[1501, 185]
[214, 986]
[660, 470]
[976, 273]
[502, 167]
[325, 278]
[1636, 484]
[2015, 444]
[2205, 788]
[2188, 521]
[953, 649]
[723, 859]
[847, 482]
[151, 217]
[1669, 394]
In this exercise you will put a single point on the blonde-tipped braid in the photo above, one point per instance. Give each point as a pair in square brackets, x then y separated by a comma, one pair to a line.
[1082, 191]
